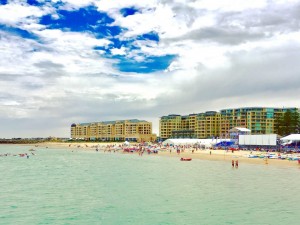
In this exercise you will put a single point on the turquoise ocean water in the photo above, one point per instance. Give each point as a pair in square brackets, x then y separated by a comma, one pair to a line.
[58, 186]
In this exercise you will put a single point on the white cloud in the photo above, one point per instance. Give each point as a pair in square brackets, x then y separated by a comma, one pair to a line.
[78, 3]
[229, 5]
[229, 54]
[164, 23]
[74, 4]
[116, 5]
[118, 51]
[13, 13]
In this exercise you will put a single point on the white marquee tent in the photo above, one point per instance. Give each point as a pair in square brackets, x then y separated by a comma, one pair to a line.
[291, 137]
[183, 141]
[259, 139]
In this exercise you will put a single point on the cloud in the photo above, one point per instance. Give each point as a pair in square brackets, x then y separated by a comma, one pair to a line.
[18, 12]
[83, 61]
[223, 36]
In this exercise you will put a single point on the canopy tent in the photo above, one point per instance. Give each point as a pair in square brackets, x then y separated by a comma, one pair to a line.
[291, 137]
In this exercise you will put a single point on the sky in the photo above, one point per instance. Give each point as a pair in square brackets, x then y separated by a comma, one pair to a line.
[75, 61]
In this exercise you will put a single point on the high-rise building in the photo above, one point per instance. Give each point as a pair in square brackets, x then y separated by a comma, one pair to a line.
[260, 120]
[119, 130]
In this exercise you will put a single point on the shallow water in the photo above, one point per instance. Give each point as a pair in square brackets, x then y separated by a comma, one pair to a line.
[58, 186]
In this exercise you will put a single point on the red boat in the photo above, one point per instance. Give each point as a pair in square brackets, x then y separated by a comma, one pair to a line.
[186, 159]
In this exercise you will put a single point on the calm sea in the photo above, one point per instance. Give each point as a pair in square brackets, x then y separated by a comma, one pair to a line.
[58, 186]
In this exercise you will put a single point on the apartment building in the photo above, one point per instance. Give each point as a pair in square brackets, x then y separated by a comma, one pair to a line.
[260, 120]
[119, 130]
[172, 122]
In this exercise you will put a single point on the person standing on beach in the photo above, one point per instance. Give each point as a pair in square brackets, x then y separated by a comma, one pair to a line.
[210, 152]
[232, 163]
[236, 163]
[266, 160]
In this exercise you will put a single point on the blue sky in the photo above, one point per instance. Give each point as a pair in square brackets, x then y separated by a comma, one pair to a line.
[99, 25]
[72, 61]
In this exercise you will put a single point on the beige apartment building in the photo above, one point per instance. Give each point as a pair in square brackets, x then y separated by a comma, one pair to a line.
[119, 130]
[260, 120]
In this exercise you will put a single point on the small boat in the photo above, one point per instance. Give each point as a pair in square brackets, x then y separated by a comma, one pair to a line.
[185, 159]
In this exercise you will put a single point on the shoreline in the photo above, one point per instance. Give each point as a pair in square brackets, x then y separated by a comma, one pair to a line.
[216, 155]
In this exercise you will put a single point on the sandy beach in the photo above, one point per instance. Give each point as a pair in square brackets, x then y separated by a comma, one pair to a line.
[216, 155]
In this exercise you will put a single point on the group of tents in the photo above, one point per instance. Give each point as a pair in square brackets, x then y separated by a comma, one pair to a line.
[203, 143]
[292, 139]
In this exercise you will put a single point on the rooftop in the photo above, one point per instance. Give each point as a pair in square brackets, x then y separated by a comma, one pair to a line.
[110, 122]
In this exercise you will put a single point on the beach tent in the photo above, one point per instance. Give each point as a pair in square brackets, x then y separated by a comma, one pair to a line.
[126, 143]
[291, 137]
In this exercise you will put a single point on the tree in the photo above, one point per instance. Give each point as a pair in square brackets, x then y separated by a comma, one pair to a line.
[288, 123]
[295, 122]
